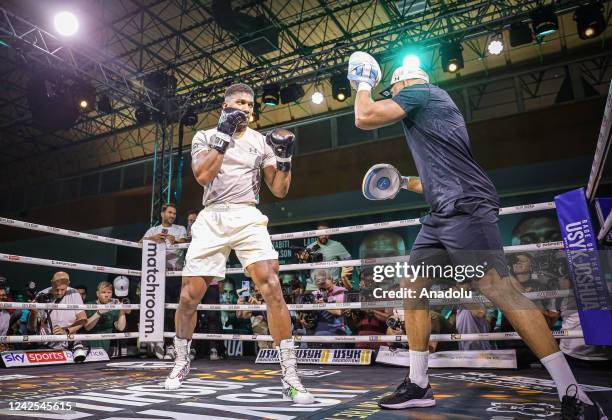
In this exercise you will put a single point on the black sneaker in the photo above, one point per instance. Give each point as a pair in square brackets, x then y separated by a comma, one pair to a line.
[574, 409]
[408, 395]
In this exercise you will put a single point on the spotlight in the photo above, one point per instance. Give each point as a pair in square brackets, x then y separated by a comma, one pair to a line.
[317, 97]
[520, 34]
[190, 118]
[104, 105]
[83, 95]
[590, 21]
[143, 115]
[270, 94]
[255, 114]
[411, 62]
[544, 21]
[341, 89]
[291, 93]
[496, 45]
[452, 57]
[66, 23]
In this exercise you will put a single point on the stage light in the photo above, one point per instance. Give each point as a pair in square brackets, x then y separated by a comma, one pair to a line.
[341, 89]
[291, 93]
[83, 104]
[104, 105]
[83, 95]
[271, 94]
[544, 21]
[451, 56]
[143, 115]
[190, 118]
[590, 21]
[317, 97]
[411, 62]
[496, 45]
[66, 23]
[520, 34]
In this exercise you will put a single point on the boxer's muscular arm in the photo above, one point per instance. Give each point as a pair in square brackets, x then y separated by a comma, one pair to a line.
[370, 115]
[277, 181]
[205, 166]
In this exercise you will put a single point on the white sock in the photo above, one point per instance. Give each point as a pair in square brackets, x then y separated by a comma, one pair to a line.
[559, 370]
[418, 368]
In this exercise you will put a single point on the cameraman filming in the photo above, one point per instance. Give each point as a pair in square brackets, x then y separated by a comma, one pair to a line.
[259, 319]
[59, 322]
[325, 249]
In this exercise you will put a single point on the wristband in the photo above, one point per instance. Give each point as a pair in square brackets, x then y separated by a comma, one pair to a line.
[364, 86]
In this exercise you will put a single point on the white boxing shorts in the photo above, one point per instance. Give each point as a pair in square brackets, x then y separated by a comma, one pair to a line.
[218, 229]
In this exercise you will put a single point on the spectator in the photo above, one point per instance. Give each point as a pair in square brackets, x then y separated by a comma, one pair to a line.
[5, 316]
[103, 321]
[213, 318]
[192, 215]
[169, 233]
[521, 268]
[472, 319]
[82, 291]
[329, 321]
[369, 322]
[259, 319]
[48, 322]
[324, 249]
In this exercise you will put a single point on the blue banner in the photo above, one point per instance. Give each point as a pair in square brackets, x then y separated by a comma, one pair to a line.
[590, 290]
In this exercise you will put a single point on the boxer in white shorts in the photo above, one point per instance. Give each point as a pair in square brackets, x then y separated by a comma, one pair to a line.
[229, 162]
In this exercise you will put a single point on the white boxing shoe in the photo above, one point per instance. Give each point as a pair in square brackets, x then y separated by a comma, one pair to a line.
[292, 385]
[181, 364]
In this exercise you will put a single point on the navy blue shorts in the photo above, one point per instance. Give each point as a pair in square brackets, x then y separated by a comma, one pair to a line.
[464, 235]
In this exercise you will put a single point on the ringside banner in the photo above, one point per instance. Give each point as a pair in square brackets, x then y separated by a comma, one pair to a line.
[585, 269]
[152, 292]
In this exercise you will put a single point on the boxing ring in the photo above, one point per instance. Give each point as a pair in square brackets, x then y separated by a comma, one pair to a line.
[240, 389]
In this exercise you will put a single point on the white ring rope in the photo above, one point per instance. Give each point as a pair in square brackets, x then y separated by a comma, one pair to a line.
[387, 225]
[303, 339]
[542, 295]
[602, 149]
[65, 264]
[66, 232]
[60, 338]
[605, 229]
[378, 338]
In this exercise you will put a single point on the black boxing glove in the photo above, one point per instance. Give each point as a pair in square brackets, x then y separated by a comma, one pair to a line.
[282, 142]
[229, 120]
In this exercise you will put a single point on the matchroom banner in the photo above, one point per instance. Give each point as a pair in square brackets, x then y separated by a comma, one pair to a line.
[152, 292]
[590, 288]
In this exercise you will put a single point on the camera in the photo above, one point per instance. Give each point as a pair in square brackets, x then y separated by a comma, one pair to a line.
[125, 301]
[79, 354]
[313, 254]
[322, 295]
[394, 323]
[45, 298]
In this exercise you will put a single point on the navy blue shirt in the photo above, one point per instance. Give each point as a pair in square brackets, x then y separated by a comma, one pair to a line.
[439, 143]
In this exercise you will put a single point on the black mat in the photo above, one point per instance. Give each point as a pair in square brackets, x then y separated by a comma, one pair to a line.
[132, 388]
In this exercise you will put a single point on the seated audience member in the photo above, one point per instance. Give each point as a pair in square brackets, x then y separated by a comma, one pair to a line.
[64, 322]
[259, 319]
[82, 291]
[5, 318]
[329, 321]
[103, 321]
[521, 268]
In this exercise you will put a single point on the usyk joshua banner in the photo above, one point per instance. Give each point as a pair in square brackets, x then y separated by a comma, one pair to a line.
[584, 267]
[152, 292]
[321, 356]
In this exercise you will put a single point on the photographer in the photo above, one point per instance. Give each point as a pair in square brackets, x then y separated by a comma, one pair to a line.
[325, 249]
[104, 320]
[329, 321]
[64, 322]
[259, 319]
